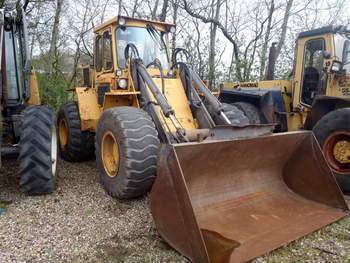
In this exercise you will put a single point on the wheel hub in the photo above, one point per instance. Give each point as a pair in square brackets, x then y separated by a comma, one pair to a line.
[342, 151]
[110, 154]
[337, 151]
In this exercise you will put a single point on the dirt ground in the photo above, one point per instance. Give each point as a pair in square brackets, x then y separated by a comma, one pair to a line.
[81, 223]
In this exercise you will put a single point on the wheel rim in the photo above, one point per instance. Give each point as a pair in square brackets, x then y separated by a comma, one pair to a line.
[53, 149]
[63, 130]
[337, 151]
[110, 154]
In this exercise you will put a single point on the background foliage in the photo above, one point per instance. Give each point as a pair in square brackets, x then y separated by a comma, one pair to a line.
[228, 39]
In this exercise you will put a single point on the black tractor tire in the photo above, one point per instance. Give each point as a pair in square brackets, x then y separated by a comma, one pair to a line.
[254, 115]
[79, 145]
[38, 150]
[234, 114]
[334, 121]
[137, 143]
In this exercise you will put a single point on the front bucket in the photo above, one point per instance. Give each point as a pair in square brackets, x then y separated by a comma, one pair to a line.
[231, 201]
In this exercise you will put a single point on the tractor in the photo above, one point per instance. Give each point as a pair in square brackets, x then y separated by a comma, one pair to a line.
[317, 97]
[27, 129]
[222, 190]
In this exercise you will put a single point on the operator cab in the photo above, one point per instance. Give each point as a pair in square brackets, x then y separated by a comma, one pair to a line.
[317, 49]
[149, 38]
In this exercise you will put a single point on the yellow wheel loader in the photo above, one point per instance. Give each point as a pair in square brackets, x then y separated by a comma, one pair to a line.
[317, 98]
[221, 190]
[26, 128]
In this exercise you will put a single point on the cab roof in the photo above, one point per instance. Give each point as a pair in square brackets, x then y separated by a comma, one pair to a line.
[323, 30]
[116, 19]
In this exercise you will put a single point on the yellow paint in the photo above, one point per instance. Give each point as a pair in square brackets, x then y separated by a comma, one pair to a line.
[176, 96]
[133, 22]
[89, 109]
[34, 90]
[63, 132]
[110, 154]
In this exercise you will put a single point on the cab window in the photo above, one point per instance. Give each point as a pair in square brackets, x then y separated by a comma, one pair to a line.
[313, 82]
[107, 51]
[346, 56]
[98, 53]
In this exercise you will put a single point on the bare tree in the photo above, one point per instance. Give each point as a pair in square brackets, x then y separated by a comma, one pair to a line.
[54, 37]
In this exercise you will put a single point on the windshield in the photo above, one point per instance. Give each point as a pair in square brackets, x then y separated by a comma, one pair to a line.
[11, 72]
[342, 51]
[150, 45]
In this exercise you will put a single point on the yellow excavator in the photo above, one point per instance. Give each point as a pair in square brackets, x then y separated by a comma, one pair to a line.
[222, 190]
[316, 98]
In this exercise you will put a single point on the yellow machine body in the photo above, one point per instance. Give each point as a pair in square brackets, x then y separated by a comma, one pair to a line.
[34, 90]
[337, 85]
[89, 108]
[202, 186]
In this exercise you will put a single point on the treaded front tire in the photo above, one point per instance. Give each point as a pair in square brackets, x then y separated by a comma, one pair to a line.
[38, 150]
[77, 145]
[335, 125]
[126, 151]
[251, 111]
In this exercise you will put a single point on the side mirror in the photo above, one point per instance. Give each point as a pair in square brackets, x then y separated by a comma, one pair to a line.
[326, 54]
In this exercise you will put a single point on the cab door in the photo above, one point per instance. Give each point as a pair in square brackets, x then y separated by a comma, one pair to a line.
[103, 64]
[311, 75]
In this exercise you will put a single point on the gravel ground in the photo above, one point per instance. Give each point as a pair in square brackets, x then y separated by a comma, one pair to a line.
[81, 223]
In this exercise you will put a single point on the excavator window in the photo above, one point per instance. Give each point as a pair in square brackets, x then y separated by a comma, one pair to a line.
[313, 82]
[12, 82]
[150, 44]
[107, 51]
[346, 56]
[98, 53]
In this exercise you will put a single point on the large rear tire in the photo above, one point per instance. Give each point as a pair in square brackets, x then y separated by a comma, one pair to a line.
[333, 134]
[75, 145]
[251, 112]
[126, 151]
[38, 150]
[234, 114]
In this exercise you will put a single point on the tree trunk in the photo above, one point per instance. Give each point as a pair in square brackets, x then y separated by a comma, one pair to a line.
[162, 16]
[154, 11]
[213, 29]
[283, 29]
[175, 7]
[54, 38]
[266, 41]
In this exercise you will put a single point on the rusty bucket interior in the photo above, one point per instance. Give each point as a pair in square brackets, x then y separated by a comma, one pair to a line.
[231, 201]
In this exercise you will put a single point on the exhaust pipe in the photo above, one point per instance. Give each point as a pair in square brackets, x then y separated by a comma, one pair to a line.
[270, 72]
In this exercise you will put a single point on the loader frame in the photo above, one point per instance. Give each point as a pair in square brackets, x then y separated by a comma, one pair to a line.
[158, 127]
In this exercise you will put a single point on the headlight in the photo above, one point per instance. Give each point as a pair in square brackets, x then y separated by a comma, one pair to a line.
[336, 66]
[123, 83]
[172, 29]
[121, 21]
